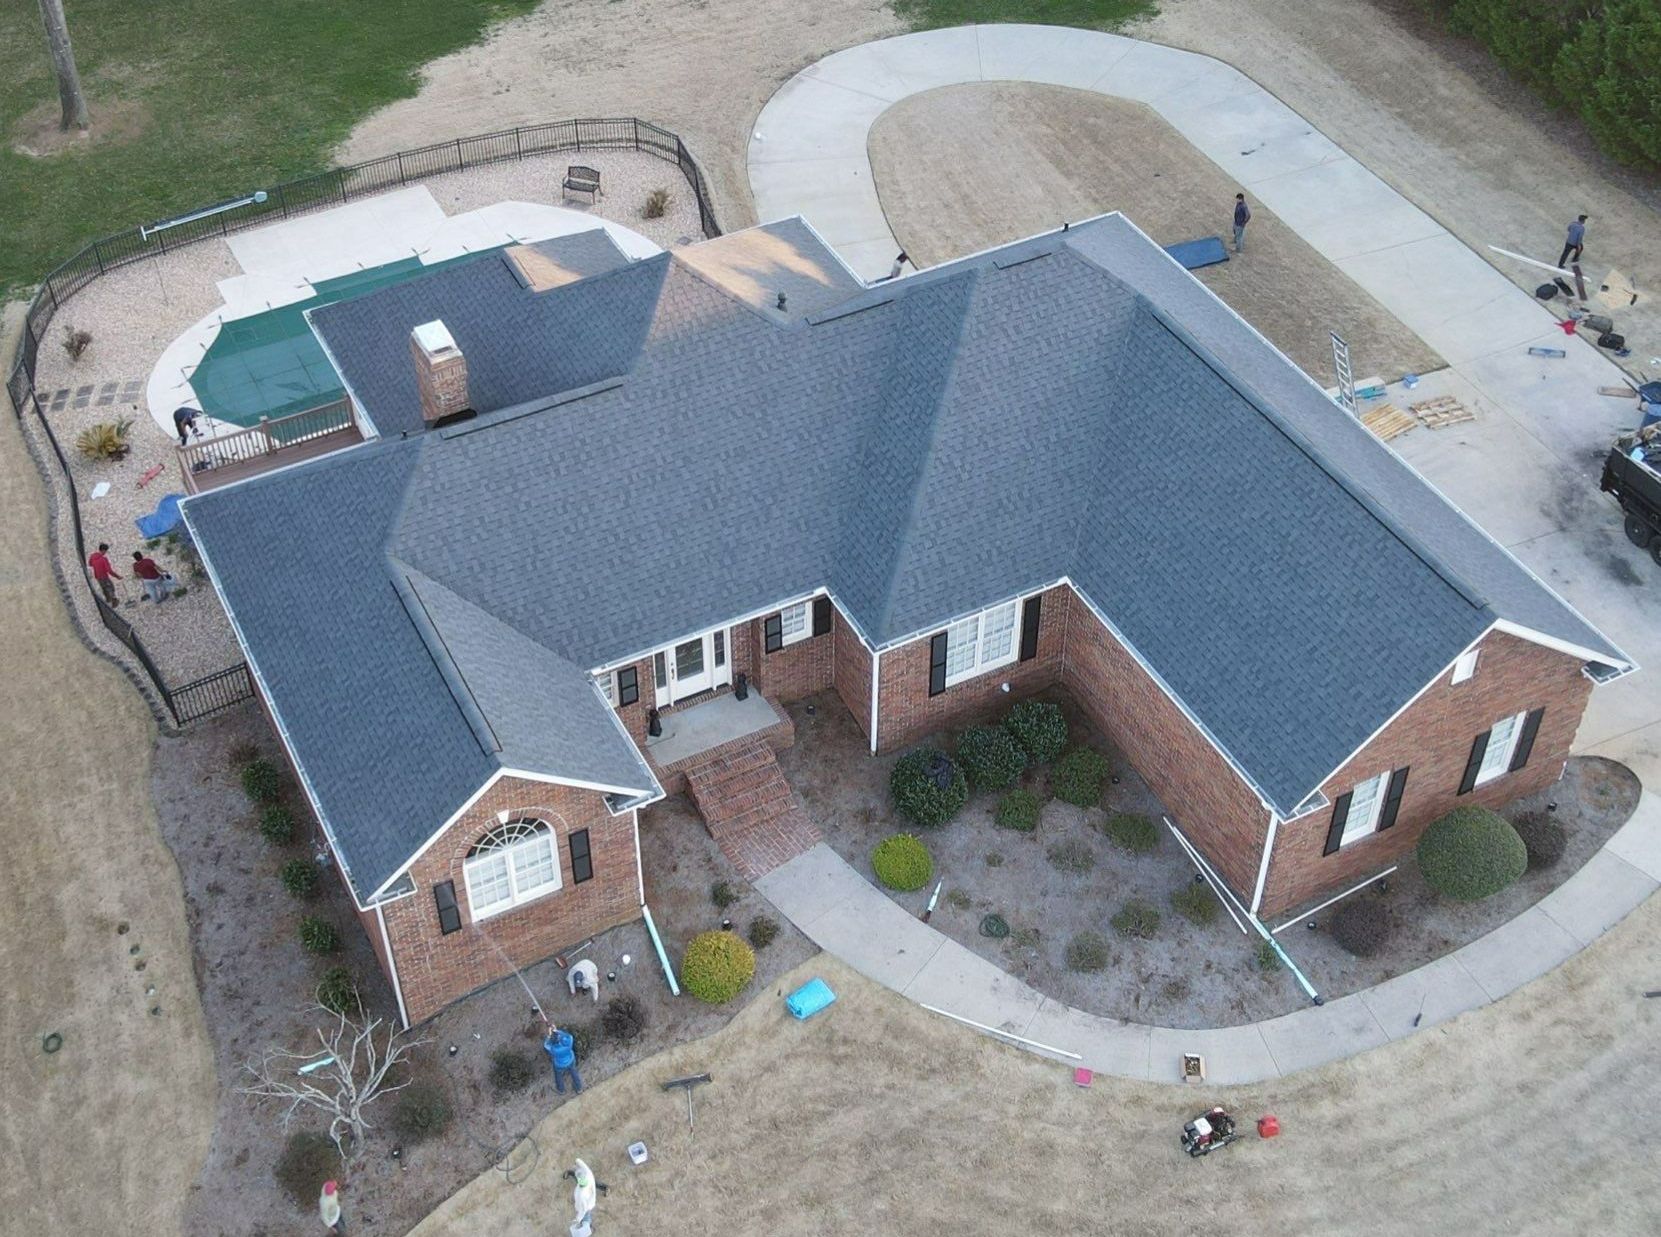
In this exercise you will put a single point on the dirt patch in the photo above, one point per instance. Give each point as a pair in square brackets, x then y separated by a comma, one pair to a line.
[965, 168]
[256, 983]
[1187, 974]
[114, 120]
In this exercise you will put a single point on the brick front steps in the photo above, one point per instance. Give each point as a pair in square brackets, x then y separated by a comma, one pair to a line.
[749, 808]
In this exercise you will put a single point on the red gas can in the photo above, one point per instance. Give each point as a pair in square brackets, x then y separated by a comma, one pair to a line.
[1268, 1125]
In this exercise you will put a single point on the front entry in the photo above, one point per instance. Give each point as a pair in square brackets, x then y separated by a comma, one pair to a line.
[692, 666]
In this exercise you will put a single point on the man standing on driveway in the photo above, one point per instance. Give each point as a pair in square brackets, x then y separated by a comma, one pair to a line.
[99, 562]
[1575, 242]
[1242, 216]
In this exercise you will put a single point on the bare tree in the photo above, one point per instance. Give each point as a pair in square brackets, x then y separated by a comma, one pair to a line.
[347, 1073]
[63, 62]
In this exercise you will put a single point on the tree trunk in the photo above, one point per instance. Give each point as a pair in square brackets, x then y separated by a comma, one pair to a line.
[63, 62]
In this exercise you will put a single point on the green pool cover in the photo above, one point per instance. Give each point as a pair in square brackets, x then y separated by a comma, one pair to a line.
[270, 364]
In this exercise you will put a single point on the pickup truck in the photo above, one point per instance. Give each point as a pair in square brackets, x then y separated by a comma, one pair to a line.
[1632, 473]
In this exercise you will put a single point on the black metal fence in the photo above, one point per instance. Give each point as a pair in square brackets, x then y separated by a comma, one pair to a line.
[298, 197]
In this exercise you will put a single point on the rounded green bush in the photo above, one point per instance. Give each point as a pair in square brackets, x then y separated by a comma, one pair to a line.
[260, 780]
[716, 967]
[1133, 832]
[1470, 854]
[318, 935]
[1017, 810]
[277, 825]
[902, 862]
[299, 877]
[1088, 952]
[927, 787]
[763, 931]
[1267, 958]
[337, 991]
[1136, 918]
[1361, 926]
[1545, 839]
[990, 757]
[1040, 728]
[1078, 776]
[422, 1111]
[1196, 903]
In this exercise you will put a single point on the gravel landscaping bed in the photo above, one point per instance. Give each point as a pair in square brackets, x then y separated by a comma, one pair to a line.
[256, 984]
[1068, 878]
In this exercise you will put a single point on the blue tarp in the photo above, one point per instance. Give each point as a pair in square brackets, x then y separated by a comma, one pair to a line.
[809, 999]
[162, 520]
[1207, 251]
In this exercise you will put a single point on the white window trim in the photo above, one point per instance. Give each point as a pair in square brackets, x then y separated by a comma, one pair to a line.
[801, 613]
[608, 687]
[1501, 763]
[1365, 824]
[545, 834]
[1465, 667]
[979, 664]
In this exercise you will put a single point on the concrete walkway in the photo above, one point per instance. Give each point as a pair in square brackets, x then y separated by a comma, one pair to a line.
[1540, 436]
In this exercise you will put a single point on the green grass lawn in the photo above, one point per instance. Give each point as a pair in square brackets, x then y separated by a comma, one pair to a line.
[221, 97]
[1091, 14]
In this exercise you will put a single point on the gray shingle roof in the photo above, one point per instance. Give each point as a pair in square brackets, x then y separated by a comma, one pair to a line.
[924, 448]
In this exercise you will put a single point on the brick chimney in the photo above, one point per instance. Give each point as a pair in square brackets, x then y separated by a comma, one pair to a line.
[440, 372]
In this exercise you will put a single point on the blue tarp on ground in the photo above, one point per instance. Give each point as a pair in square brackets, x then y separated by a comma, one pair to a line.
[162, 520]
[809, 999]
[1208, 251]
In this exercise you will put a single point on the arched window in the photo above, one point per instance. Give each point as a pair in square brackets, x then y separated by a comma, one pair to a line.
[509, 866]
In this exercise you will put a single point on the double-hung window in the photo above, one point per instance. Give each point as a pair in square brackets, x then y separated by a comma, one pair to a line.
[793, 624]
[1502, 744]
[982, 642]
[1366, 804]
[510, 866]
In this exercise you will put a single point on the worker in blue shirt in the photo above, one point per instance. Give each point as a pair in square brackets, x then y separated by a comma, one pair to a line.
[562, 1051]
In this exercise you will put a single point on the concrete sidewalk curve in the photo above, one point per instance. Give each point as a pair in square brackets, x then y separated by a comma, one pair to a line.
[844, 914]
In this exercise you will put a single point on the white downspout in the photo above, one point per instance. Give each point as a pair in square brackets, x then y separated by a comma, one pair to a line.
[1263, 864]
[639, 871]
[876, 660]
[392, 965]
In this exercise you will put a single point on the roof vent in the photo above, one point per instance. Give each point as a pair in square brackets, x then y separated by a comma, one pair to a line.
[440, 373]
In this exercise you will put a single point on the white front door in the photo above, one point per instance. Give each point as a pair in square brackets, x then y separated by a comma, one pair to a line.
[692, 666]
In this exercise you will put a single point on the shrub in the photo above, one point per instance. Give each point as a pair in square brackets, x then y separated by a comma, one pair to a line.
[927, 787]
[75, 342]
[902, 862]
[763, 931]
[1133, 832]
[716, 967]
[337, 991]
[623, 1020]
[318, 935]
[582, 1039]
[1267, 958]
[1361, 926]
[1088, 951]
[1017, 810]
[1196, 903]
[1543, 838]
[513, 1070]
[308, 1159]
[1611, 76]
[990, 757]
[1470, 854]
[657, 203]
[105, 441]
[299, 877]
[1138, 919]
[422, 1111]
[241, 753]
[1072, 855]
[1078, 776]
[959, 899]
[260, 780]
[723, 894]
[277, 824]
[994, 859]
[1040, 729]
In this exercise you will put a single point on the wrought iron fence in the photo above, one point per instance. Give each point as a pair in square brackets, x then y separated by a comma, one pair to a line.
[335, 187]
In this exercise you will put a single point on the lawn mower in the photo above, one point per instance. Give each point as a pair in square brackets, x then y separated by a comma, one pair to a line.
[1208, 1132]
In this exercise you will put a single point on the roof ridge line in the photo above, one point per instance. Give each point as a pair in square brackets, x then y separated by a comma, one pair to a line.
[403, 586]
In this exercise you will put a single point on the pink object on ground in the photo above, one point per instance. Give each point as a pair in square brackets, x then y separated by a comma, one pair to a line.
[1268, 1125]
[1082, 1076]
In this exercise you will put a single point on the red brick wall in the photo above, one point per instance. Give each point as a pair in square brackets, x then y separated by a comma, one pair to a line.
[796, 670]
[1432, 739]
[1207, 799]
[434, 969]
[853, 674]
[905, 709]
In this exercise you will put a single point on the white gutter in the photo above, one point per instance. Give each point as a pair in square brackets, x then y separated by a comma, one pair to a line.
[392, 966]
[639, 871]
[876, 660]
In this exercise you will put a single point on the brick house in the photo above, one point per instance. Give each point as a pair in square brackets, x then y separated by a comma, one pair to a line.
[604, 495]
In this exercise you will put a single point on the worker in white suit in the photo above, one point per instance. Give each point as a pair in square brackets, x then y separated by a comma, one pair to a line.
[584, 976]
[583, 1196]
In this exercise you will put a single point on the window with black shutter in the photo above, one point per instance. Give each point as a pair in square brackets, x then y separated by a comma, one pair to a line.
[1473, 766]
[1340, 814]
[582, 864]
[1029, 627]
[821, 616]
[1392, 799]
[1525, 741]
[628, 685]
[937, 664]
[772, 633]
[449, 914]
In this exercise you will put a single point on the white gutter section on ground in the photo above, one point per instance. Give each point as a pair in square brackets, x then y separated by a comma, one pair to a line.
[1377, 876]
[657, 943]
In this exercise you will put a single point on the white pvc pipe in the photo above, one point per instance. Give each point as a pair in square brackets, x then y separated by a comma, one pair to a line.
[1338, 897]
[657, 942]
[1205, 872]
[1019, 1039]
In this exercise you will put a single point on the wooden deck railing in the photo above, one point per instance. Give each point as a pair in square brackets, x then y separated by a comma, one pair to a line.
[270, 438]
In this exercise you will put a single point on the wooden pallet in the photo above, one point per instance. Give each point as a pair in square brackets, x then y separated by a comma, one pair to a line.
[1442, 411]
[1387, 421]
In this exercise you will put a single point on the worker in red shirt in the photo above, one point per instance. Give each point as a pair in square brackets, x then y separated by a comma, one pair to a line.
[157, 583]
[102, 572]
